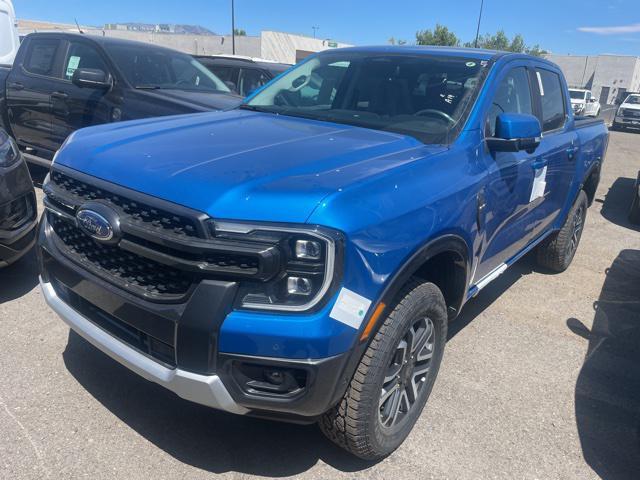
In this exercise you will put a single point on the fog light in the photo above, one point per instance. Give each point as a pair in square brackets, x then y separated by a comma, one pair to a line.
[308, 249]
[298, 286]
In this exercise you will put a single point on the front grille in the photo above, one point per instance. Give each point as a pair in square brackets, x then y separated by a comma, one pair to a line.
[126, 269]
[630, 113]
[16, 214]
[138, 212]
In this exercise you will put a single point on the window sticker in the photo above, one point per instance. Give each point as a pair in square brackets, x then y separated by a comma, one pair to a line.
[350, 308]
[72, 66]
[540, 84]
[539, 183]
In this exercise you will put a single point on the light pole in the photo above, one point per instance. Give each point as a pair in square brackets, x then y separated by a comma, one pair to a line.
[479, 20]
[314, 31]
[233, 28]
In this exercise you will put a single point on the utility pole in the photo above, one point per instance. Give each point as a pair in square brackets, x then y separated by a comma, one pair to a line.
[233, 28]
[314, 31]
[479, 20]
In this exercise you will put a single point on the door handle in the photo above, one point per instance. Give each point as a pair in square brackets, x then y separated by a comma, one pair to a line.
[539, 163]
[16, 85]
[571, 151]
[60, 95]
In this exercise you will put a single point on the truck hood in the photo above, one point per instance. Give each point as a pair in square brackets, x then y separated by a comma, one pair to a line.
[630, 106]
[203, 101]
[238, 164]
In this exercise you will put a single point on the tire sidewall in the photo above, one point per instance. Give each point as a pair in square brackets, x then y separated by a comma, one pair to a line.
[430, 305]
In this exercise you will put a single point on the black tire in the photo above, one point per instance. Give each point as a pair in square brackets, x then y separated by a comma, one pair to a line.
[557, 251]
[356, 423]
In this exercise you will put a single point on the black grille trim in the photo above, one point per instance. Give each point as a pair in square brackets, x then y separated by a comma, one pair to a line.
[17, 213]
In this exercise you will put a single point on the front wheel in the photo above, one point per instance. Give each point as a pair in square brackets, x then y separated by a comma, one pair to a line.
[557, 251]
[394, 378]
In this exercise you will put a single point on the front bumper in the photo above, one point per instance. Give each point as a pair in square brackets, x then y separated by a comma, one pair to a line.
[178, 345]
[204, 389]
[16, 188]
[627, 122]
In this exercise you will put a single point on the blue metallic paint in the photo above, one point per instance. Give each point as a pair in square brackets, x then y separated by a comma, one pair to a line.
[390, 194]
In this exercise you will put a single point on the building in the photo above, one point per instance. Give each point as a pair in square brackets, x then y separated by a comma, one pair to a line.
[609, 77]
[277, 46]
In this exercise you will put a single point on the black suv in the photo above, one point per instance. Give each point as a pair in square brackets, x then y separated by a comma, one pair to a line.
[242, 74]
[18, 213]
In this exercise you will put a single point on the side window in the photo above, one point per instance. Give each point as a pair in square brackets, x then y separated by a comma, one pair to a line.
[41, 57]
[513, 96]
[553, 108]
[226, 74]
[250, 79]
[81, 55]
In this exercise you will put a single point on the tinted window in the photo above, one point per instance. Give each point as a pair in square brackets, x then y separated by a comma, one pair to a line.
[81, 55]
[42, 56]
[512, 96]
[250, 79]
[553, 111]
[149, 67]
[426, 96]
[226, 74]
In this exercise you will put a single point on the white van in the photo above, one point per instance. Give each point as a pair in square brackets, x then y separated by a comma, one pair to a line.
[9, 40]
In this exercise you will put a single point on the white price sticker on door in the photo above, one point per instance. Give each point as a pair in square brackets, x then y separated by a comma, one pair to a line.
[539, 183]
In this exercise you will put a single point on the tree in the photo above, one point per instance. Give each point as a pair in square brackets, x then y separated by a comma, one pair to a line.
[440, 36]
[239, 32]
[500, 41]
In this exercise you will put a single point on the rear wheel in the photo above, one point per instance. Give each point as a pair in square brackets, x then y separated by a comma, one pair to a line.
[394, 378]
[557, 251]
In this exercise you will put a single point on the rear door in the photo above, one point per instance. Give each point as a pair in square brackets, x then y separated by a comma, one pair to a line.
[506, 198]
[559, 147]
[74, 107]
[29, 86]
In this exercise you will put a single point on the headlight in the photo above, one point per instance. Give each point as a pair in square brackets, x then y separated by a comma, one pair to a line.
[310, 265]
[9, 153]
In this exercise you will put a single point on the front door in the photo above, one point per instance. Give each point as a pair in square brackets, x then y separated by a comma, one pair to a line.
[507, 193]
[76, 107]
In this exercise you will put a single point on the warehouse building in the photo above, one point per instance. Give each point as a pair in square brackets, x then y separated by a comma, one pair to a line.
[277, 46]
[610, 77]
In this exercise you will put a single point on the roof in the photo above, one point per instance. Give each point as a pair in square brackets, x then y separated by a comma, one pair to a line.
[102, 40]
[475, 53]
[235, 59]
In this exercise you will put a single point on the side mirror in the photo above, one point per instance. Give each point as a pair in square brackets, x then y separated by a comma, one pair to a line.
[515, 132]
[91, 78]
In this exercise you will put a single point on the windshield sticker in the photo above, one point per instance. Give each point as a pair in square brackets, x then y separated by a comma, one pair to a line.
[72, 66]
[350, 308]
[471, 64]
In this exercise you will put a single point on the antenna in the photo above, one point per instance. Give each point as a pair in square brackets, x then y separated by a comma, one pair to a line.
[79, 29]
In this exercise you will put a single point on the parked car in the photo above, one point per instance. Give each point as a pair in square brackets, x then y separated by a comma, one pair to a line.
[584, 103]
[9, 40]
[61, 82]
[628, 114]
[634, 211]
[242, 74]
[306, 267]
[18, 211]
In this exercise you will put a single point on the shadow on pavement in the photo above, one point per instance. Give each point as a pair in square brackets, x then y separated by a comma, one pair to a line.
[617, 202]
[607, 395]
[19, 278]
[196, 435]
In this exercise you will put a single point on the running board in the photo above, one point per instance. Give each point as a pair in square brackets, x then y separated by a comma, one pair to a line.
[487, 279]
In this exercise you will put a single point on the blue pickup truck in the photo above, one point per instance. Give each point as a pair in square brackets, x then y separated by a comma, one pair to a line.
[300, 257]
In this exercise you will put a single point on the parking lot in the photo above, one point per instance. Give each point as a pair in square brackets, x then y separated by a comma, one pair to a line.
[541, 379]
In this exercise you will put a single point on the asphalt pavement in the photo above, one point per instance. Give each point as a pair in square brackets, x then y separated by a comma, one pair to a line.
[540, 380]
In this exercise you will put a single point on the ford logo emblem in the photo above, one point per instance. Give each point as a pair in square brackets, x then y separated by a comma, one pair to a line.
[99, 222]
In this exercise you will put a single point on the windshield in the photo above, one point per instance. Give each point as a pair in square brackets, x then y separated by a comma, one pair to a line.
[149, 67]
[426, 96]
[633, 99]
[577, 94]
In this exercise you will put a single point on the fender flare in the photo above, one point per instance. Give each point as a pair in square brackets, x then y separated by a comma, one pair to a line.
[445, 243]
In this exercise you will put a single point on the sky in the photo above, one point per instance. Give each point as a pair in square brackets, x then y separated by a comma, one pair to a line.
[561, 26]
